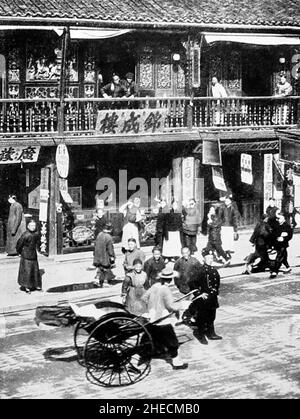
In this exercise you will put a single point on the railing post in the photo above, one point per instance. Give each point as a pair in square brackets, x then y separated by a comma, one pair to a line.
[62, 83]
[189, 114]
[298, 113]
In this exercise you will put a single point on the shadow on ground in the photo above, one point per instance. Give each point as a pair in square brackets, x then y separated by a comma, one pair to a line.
[79, 287]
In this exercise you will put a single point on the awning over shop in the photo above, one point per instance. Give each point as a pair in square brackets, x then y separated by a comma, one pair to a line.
[96, 33]
[75, 32]
[255, 39]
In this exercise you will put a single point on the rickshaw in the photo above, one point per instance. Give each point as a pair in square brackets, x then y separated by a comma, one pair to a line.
[116, 348]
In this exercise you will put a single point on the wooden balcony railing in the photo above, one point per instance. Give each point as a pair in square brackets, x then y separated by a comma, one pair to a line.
[22, 116]
[245, 112]
[41, 116]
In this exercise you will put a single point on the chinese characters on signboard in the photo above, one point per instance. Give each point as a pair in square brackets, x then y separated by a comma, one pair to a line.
[132, 121]
[10, 155]
[246, 168]
[187, 178]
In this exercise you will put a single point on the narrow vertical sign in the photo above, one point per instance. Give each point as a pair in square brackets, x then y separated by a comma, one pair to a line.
[246, 168]
[43, 210]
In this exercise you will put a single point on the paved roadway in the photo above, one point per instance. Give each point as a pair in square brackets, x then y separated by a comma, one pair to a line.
[259, 356]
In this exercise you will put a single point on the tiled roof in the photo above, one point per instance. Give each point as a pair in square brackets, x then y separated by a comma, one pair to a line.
[233, 12]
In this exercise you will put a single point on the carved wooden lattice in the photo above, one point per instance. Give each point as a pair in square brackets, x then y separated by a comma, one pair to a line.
[226, 66]
[146, 69]
[164, 75]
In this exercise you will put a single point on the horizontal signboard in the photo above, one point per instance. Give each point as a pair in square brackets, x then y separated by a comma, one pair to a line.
[130, 121]
[10, 155]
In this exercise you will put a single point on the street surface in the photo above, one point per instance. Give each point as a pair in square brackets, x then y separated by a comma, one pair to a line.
[259, 356]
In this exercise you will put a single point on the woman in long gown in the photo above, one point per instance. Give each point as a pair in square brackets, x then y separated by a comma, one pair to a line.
[29, 274]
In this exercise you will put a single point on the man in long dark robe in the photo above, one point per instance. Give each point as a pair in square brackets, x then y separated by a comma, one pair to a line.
[15, 225]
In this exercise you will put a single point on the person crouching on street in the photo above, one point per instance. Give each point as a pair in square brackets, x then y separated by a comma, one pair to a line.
[207, 282]
[283, 233]
[104, 255]
[29, 277]
[133, 289]
[261, 239]
[160, 303]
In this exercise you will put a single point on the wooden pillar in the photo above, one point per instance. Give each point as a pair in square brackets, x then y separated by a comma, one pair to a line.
[177, 178]
[62, 82]
[53, 201]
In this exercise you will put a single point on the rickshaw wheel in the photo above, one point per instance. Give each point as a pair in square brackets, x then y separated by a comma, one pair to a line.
[118, 352]
[80, 338]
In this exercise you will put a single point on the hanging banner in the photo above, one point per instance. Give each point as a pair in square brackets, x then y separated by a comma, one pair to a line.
[44, 195]
[268, 179]
[218, 178]
[11, 155]
[212, 152]
[268, 168]
[63, 187]
[131, 121]
[246, 169]
[62, 160]
[187, 178]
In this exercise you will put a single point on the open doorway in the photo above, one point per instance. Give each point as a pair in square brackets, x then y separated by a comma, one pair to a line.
[257, 72]
[115, 56]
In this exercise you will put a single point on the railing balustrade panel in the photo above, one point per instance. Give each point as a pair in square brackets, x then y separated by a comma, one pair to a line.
[40, 116]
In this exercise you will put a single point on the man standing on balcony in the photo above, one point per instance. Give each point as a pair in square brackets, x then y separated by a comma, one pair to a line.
[218, 91]
[113, 89]
[283, 89]
[130, 86]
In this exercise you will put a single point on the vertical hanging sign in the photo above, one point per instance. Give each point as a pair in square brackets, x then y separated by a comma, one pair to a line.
[268, 178]
[62, 160]
[218, 178]
[187, 178]
[246, 169]
[43, 207]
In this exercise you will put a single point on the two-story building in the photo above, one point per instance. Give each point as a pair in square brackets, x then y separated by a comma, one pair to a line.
[56, 56]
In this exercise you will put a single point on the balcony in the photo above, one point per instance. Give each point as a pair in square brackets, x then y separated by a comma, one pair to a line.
[41, 118]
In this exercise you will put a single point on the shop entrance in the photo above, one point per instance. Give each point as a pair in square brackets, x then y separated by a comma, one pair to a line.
[90, 164]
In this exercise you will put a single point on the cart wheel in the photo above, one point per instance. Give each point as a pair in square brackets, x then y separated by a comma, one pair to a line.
[80, 338]
[118, 352]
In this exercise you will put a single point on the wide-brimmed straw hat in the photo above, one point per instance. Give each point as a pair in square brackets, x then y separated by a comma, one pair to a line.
[167, 273]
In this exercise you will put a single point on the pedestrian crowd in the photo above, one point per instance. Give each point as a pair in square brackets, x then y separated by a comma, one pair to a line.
[146, 289]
